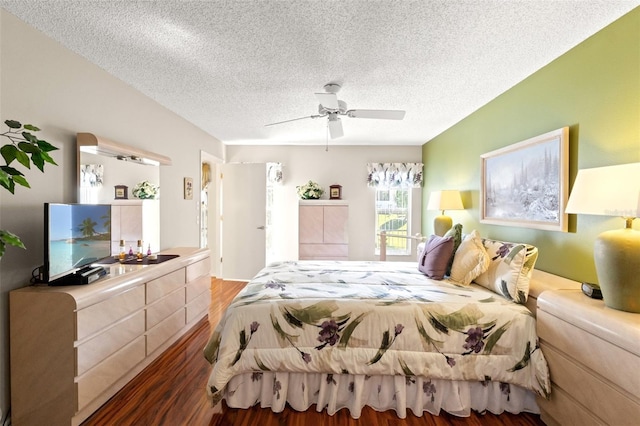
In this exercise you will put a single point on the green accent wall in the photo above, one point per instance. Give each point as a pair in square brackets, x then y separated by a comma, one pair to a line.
[594, 89]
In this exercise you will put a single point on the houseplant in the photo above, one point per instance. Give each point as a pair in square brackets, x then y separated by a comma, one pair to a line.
[310, 191]
[146, 190]
[25, 148]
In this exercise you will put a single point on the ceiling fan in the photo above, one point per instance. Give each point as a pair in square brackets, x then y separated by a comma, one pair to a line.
[332, 108]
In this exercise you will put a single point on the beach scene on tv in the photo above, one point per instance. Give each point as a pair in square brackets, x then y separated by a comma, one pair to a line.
[79, 234]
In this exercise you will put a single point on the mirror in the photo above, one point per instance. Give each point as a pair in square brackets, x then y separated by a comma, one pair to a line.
[104, 164]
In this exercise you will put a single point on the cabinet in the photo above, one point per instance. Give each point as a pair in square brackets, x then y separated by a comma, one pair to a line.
[133, 220]
[73, 347]
[593, 354]
[323, 230]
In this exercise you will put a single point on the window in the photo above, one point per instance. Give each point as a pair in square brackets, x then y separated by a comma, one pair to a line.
[393, 207]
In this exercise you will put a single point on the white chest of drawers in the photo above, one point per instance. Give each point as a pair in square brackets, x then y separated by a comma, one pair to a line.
[74, 347]
[593, 354]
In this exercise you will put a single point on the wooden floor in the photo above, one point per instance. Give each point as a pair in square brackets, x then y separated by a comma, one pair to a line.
[171, 391]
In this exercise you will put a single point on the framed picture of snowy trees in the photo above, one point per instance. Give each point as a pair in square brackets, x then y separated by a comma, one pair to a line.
[526, 184]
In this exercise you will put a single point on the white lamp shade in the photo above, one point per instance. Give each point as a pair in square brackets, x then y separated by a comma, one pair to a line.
[607, 191]
[445, 200]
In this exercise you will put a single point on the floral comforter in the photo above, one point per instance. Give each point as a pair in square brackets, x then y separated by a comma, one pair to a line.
[373, 318]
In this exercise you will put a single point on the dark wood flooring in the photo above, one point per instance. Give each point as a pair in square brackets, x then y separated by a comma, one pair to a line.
[171, 392]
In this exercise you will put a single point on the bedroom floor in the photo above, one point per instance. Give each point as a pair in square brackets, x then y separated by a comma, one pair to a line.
[171, 392]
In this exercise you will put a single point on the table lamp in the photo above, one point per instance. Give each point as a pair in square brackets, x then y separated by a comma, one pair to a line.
[444, 200]
[613, 191]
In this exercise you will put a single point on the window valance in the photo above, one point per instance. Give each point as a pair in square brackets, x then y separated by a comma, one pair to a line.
[394, 175]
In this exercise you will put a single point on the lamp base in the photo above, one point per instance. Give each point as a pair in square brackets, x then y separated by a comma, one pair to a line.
[618, 268]
[441, 224]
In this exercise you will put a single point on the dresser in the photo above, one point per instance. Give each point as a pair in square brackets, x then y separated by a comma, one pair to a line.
[593, 354]
[73, 347]
[323, 232]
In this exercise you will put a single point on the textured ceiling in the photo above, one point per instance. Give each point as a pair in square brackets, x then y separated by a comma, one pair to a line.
[231, 67]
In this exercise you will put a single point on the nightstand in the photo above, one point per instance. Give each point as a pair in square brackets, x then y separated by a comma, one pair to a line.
[593, 354]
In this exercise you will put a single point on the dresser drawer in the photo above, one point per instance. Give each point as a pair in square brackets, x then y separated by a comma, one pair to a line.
[325, 251]
[96, 317]
[162, 286]
[199, 269]
[595, 354]
[198, 307]
[162, 332]
[613, 407]
[564, 411]
[164, 307]
[106, 373]
[111, 340]
[198, 286]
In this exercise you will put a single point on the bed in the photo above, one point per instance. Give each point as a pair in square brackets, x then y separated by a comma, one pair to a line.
[345, 334]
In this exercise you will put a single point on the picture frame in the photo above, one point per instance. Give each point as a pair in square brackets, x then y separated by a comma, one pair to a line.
[121, 192]
[526, 184]
[335, 192]
[188, 188]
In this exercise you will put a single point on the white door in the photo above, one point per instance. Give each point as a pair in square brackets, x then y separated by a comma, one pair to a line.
[243, 222]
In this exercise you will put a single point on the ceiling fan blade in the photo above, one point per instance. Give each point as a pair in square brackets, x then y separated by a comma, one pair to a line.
[335, 127]
[328, 100]
[376, 113]
[293, 119]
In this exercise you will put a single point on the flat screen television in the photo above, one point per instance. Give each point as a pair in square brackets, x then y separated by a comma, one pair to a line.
[75, 235]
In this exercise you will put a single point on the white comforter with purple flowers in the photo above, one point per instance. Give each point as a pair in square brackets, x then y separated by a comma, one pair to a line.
[373, 318]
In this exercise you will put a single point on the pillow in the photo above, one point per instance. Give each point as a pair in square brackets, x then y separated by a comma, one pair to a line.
[510, 269]
[456, 233]
[470, 260]
[435, 256]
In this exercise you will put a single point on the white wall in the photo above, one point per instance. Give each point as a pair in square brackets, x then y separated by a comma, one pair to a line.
[343, 165]
[47, 85]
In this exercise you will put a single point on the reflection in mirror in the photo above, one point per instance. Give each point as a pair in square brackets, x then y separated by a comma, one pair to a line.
[99, 174]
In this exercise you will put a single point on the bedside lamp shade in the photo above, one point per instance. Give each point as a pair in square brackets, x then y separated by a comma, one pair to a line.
[613, 191]
[444, 200]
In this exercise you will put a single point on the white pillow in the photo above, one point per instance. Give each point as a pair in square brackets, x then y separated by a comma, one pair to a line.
[470, 260]
[510, 269]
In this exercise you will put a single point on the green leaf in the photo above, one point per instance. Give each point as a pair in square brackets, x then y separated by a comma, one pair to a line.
[524, 361]
[423, 333]
[13, 124]
[2, 248]
[31, 127]
[494, 337]
[313, 313]
[349, 329]
[46, 146]
[283, 334]
[405, 368]
[20, 180]
[9, 185]
[460, 319]
[29, 137]
[38, 160]
[12, 239]
[23, 159]
[11, 171]
[260, 364]
[384, 345]
[4, 178]
[28, 147]
[9, 152]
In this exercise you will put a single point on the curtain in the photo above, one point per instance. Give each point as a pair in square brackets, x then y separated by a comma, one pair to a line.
[394, 175]
[274, 172]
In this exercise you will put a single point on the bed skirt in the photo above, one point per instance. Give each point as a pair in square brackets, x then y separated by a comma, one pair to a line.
[382, 393]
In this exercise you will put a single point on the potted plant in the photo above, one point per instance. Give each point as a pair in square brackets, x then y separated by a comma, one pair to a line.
[24, 148]
[310, 191]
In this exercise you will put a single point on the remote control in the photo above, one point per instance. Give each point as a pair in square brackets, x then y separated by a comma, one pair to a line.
[592, 290]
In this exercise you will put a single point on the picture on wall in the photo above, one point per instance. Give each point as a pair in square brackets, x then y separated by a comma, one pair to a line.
[526, 184]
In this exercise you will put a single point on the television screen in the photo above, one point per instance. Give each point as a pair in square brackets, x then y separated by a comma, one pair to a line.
[76, 235]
